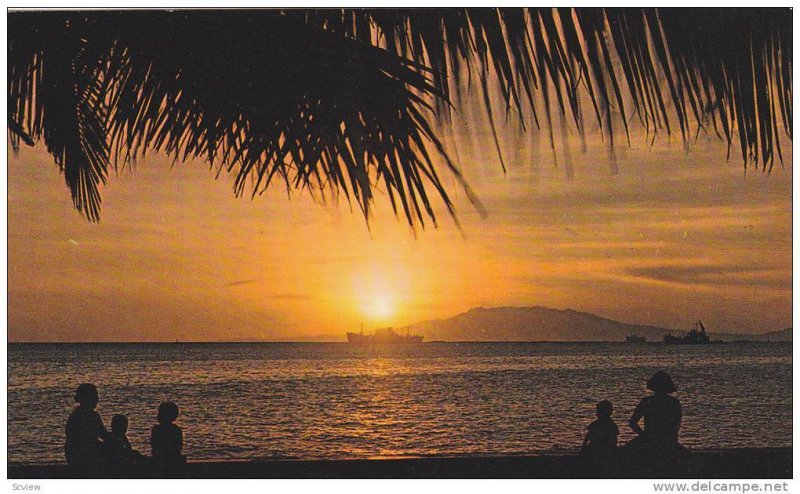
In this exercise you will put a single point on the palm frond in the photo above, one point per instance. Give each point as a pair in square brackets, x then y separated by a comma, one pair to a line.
[343, 101]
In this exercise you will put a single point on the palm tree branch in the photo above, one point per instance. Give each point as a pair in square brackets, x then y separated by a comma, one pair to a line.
[346, 99]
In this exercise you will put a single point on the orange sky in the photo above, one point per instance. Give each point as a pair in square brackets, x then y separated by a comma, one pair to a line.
[669, 238]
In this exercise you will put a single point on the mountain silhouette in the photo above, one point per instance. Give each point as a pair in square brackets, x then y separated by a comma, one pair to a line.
[545, 324]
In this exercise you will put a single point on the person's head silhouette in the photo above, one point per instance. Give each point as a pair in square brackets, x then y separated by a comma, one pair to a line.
[604, 409]
[661, 383]
[86, 395]
[119, 424]
[167, 412]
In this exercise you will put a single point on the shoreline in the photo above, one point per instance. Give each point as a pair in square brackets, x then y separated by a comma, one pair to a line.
[737, 463]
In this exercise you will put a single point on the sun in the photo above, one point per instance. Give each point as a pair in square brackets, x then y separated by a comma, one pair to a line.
[379, 307]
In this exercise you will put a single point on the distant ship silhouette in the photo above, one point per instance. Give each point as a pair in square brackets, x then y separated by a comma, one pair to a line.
[383, 336]
[696, 336]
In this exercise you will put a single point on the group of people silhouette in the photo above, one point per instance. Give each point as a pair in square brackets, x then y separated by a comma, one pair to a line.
[655, 451]
[93, 451]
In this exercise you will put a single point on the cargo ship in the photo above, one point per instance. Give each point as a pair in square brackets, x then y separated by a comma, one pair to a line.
[383, 336]
[696, 336]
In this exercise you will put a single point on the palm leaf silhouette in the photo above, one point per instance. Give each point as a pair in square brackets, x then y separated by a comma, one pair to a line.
[346, 100]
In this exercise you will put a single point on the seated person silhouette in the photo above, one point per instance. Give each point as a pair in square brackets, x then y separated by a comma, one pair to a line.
[166, 441]
[600, 443]
[85, 432]
[601, 435]
[655, 451]
[122, 459]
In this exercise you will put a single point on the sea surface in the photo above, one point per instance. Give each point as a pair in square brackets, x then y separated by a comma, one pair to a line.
[331, 400]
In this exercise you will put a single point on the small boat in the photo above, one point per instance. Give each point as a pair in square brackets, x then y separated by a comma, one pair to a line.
[635, 338]
[383, 336]
[695, 336]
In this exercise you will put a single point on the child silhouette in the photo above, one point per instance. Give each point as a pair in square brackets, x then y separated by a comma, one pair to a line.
[601, 435]
[85, 431]
[118, 437]
[166, 440]
[121, 457]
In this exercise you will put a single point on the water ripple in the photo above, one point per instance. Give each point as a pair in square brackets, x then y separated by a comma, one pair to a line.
[339, 401]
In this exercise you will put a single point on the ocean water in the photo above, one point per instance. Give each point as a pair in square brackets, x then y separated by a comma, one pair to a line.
[329, 400]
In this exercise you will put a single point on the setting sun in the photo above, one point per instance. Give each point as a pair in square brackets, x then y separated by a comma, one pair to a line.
[379, 307]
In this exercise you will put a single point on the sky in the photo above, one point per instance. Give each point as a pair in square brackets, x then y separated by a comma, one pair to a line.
[659, 236]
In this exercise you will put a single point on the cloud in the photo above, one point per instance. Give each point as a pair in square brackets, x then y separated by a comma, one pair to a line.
[714, 274]
[240, 282]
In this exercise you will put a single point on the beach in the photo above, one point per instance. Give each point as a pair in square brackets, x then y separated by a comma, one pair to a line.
[737, 463]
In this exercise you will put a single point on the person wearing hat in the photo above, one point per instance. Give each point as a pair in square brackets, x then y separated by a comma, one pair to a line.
[661, 412]
[656, 447]
[85, 431]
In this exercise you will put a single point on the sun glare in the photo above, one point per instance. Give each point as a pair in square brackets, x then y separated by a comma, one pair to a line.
[380, 307]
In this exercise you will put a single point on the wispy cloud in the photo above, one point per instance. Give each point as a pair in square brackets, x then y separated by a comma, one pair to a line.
[239, 283]
[711, 274]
